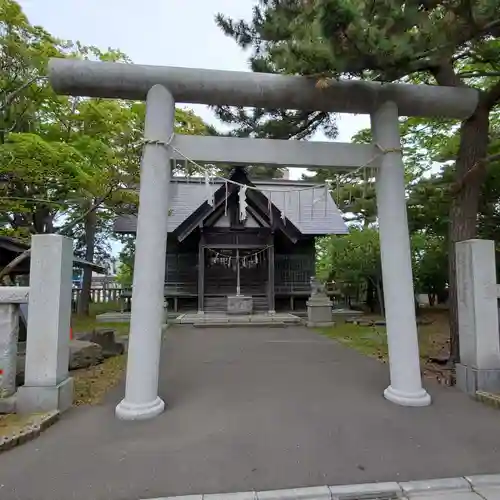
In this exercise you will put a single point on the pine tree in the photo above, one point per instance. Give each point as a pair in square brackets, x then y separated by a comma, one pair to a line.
[274, 124]
[449, 43]
[257, 172]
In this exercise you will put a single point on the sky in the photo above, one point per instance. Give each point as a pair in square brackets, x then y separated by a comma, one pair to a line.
[161, 32]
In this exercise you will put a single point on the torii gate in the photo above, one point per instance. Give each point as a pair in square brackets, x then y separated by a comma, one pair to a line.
[162, 87]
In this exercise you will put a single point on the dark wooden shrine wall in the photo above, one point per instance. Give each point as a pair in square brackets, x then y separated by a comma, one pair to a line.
[293, 267]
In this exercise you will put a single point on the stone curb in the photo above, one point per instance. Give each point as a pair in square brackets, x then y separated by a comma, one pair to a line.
[369, 491]
[29, 432]
[488, 398]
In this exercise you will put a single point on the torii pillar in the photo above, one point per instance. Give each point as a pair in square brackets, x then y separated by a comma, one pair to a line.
[141, 391]
[405, 388]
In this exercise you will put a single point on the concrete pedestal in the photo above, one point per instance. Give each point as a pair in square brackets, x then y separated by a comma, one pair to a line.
[319, 311]
[47, 385]
[239, 304]
[479, 368]
[32, 399]
[470, 379]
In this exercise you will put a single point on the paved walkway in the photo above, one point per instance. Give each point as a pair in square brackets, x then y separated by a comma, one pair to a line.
[255, 409]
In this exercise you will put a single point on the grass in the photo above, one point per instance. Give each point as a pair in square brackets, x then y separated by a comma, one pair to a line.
[372, 341]
[88, 323]
[92, 384]
[369, 340]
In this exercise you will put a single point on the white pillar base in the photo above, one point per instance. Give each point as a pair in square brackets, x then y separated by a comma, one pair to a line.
[419, 398]
[133, 411]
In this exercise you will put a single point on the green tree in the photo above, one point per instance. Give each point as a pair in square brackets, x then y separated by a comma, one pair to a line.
[126, 261]
[66, 163]
[109, 133]
[24, 52]
[444, 43]
[430, 270]
[352, 262]
[187, 123]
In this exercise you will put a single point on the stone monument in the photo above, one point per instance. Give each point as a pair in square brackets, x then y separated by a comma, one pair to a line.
[47, 384]
[479, 367]
[319, 306]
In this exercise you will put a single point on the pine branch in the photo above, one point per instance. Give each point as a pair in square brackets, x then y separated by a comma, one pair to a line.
[477, 74]
[474, 171]
[492, 96]
[445, 75]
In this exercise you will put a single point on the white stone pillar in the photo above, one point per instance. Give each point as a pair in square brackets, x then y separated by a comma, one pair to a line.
[406, 384]
[46, 382]
[141, 393]
[479, 367]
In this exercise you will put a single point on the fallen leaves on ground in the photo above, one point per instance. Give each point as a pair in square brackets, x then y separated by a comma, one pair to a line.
[13, 423]
[92, 384]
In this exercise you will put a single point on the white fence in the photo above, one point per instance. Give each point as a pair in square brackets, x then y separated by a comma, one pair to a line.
[100, 295]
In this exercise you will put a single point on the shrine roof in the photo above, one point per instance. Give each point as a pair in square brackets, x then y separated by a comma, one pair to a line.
[305, 209]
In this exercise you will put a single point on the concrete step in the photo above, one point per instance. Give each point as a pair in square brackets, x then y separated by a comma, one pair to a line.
[222, 318]
[238, 324]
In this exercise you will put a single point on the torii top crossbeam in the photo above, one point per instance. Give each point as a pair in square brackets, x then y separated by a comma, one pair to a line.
[237, 88]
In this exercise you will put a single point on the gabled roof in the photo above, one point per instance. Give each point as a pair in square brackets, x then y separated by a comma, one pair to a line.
[306, 210]
[256, 202]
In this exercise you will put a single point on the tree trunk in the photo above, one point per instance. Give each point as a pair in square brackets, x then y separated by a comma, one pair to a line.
[464, 207]
[432, 299]
[380, 296]
[371, 300]
[417, 306]
[90, 224]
